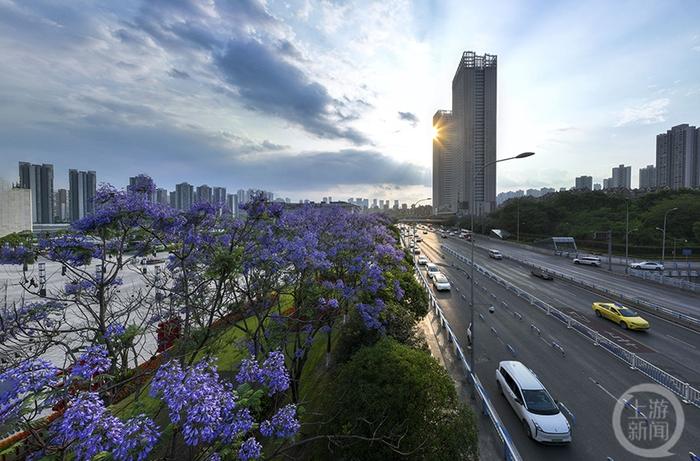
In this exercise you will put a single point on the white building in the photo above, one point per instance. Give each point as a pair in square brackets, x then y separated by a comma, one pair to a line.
[15, 209]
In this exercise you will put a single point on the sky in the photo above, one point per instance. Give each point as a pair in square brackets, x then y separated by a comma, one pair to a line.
[315, 98]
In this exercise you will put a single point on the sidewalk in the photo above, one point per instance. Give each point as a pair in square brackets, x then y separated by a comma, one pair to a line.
[489, 443]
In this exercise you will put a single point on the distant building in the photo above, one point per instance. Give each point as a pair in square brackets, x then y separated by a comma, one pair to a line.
[396, 204]
[607, 183]
[584, 183]
[162, 196]
[15, 209]
[61, 205]
[219, 195]
[136, 180]
[597, 186]
[622, 177]
[446, 164]
[678, 157]
[39, 179]
[203, 194]
[172, 199]
[647, 177]
[82, 186]
[184, 196]
[232, 204]
[562, 189]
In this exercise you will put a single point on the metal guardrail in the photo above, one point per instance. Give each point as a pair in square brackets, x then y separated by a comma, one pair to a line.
[510, 452]
[666, 280]
[644, 304]
[684, 390]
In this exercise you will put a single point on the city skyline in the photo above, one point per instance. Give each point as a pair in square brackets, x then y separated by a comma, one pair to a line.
[128, 83]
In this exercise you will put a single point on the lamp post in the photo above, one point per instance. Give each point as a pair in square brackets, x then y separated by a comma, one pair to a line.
[663, 239]
[627, 235]
[471, 212]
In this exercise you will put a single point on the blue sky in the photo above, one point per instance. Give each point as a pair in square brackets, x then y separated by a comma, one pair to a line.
[315, 98]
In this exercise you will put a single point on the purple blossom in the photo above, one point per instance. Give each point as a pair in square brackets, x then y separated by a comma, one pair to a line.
[398, 291]
[95, 360]
[284, 423]
[28, 378]
[250, 449]
[249, 372]
[15, 255]
[370, 314]
[73, 249]
[138, 437]
[142, 184]
[272, 373]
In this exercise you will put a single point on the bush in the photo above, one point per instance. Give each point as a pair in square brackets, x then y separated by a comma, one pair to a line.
[392, 401]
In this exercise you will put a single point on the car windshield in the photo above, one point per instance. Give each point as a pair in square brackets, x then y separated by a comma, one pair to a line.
[440, 278]
[432, 269]
[539, 402]
[627, 312]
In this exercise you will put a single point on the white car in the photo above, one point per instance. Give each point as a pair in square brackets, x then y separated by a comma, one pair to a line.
[588, 260]
[422, 260]
[432, 269]
[495, 254]
[441, 283]
[647, 266]
[541, 417]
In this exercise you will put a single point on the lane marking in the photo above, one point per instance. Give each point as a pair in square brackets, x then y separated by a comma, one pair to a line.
[622, 401]
[681, 341]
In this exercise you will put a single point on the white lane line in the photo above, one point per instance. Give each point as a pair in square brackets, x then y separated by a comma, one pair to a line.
[681, 341]
[622, 401]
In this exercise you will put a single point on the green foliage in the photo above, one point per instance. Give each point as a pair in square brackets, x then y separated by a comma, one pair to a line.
[18, 238]
[696, 231]
[395, 401]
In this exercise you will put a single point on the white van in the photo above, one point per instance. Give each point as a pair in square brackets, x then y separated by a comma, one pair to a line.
[589, 260]
[432, 269]
[542, 419]
[495, 254]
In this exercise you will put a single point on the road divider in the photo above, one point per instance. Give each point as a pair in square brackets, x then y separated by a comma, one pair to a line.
[688, 393]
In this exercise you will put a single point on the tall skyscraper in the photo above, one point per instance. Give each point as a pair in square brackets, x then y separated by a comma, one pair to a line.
[647, 177]
[446, 166]
[162, 196]
[584, 183]
[61, 205]
[678, 157]
[82, 186]
[607, 183]
[474, 114]
[184, 196]
[219, 195]
[622, 177]
[136, 180]
[38, 178]
[172, 198]
[203, 194]
[232, 203]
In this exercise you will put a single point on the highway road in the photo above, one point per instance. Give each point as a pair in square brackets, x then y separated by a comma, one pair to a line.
[585, 378]
[672, 298]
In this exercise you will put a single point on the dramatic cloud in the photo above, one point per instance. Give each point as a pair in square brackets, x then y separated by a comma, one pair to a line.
[649, 112]
[409, 117]
[267, 83]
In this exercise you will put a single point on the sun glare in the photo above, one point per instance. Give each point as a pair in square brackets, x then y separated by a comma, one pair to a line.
[436, 133]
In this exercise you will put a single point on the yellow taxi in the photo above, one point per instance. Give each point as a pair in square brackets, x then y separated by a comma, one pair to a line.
[623, 316]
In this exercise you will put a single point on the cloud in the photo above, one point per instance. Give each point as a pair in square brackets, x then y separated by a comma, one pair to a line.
[409, 117]
[181, 74]
[644, 114]
[269, 84]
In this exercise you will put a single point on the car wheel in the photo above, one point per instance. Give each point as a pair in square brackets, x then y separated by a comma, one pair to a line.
[598, 314]
[500, 389]
[576, 262]
[623, 325]
[528, 432]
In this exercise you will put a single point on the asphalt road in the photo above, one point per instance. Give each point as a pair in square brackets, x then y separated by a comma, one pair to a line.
[672, 298]
[585, 378]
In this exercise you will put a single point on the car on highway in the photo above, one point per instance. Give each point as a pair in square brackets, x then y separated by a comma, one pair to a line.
[416, 251]
[431, 269]
[623, 316]
[469, 334]
[588, 260]
[541, 273]
[422, 260]
[440, 282]
[647, 266]
[495, 254]
[425, 231]
[443, 235]
[539, 413]
[418, 239]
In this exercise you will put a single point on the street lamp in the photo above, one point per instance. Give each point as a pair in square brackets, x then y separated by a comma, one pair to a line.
[471, 212]
[663, 239]
[414, 222]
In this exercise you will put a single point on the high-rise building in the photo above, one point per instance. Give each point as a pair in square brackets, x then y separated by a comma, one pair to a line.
[678, 157]
[184, 196]
[596, 186]
[61, 205]
[474, 115]
[396, 204]
[15, 209]
[446, 166]
[162, 196]
[232, 204]
[137, 181]
[584, 183]
[219, 195]
[622, 177]
[647, 177]
[172, 199]
[607, 183]
[204, 194]
[82, 186]
[38, 178]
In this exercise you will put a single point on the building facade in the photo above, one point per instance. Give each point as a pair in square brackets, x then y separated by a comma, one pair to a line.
[584, 183]
[82, 186]
[184, 196]
[678, 157]
[446, 167]
[621, 177]
[15, 209]
[162, 196]
[647, 177]
[39, 179]
[219, 196]
[61, 205]
[474, 115]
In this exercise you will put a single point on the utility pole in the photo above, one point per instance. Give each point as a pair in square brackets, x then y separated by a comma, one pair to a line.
[627, 235]
[610, 250]
[518, 218]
